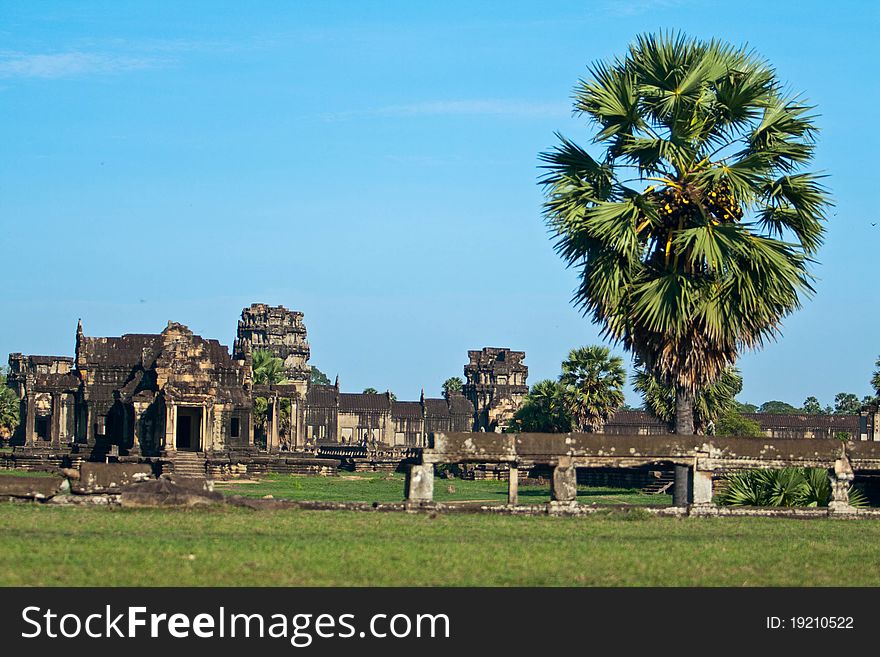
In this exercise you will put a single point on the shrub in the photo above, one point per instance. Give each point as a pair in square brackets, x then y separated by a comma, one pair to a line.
[785, 487]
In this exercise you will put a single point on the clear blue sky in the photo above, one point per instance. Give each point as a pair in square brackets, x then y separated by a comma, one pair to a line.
[374, 165]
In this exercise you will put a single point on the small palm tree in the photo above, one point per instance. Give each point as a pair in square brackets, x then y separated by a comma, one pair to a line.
[10, 406]
[595, 379]
[267, 368]
[452, 385]
[710, 403]
[694, 228]
[545, 409]
[782, 487]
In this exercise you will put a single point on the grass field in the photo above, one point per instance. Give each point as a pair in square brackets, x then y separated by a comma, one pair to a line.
[386, 487]
[45, 545]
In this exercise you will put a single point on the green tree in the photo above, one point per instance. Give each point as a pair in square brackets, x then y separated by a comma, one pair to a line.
[451, 385]
[812, 406]
[710, 403]
[776, 406]
[732, 423]
[371, 391]
[745, 408]
[267, 368]
[694, 228]
[318, 378]
[846, 403]
[10, 405]
[545, 409]
[595, 380]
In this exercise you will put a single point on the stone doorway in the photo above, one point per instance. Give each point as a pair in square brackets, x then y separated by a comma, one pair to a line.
[189, 429]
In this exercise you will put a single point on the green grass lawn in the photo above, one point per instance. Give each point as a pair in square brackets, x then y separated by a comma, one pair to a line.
[386, 487]
[45, 545]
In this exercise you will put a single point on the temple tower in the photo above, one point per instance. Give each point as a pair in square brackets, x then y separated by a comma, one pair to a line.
[496, 385]
[280, 331]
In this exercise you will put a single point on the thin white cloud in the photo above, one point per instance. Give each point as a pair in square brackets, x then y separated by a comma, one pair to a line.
[68, 64]
[475, 107]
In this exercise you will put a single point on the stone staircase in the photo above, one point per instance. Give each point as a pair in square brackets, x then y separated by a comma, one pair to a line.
[189, 464]
[661, 482]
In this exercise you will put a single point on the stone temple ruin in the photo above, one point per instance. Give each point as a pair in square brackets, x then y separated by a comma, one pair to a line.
[186, 404]
[162, 395]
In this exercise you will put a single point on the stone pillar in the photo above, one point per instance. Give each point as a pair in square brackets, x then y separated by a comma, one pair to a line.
[30, 424]
[702, 487]
[272, 438]
[564, 485]
[841, 477]
[681, 490]
[89, 414]
[420, 483]
[137, 414]
[170, 427]
[206, 437]
[513, 484]
[55, 422]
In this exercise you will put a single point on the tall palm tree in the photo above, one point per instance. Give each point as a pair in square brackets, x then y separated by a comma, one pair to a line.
[694, 228]
[595, 379]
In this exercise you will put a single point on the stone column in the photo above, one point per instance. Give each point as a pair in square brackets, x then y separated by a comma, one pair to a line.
[170, 427]
[55, 422]
[205, 434]
[30, 425]
[272, 438]
[420, 483]
[681, 490]
[513, 484]
[702, 487]
[89, 414]
[564, 484]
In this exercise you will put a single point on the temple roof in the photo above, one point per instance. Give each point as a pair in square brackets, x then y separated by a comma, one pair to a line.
[364, 401]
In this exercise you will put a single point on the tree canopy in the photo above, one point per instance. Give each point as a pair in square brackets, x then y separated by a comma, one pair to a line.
[595, 380]
[710, 403]
[694, 228]
[10, 406]
[267, 368]
[451, 385]
[318, 378]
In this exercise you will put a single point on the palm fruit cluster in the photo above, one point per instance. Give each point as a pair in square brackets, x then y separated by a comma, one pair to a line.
[718, 202]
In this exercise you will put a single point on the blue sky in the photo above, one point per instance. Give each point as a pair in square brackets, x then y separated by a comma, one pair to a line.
[374, 165]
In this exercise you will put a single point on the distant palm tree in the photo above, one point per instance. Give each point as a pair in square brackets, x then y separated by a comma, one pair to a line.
[693, 230]
[451, 385]
[710, 403]
[545, 409]
[595, 381]
[267, 368]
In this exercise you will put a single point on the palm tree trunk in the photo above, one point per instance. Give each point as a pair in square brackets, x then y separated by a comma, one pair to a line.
[684, 411]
